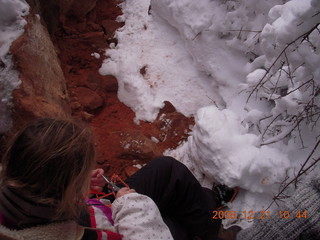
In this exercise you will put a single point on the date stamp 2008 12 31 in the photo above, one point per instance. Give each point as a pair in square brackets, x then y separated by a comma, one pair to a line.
[247, 215]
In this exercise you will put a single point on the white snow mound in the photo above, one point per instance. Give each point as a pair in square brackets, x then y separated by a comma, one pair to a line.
[11, 27]
[224, 152]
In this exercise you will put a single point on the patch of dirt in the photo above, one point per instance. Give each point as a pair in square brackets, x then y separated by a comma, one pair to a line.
[122, 146]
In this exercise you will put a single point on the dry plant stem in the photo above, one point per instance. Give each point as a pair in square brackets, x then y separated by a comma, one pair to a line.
[299, 131]
[241, 30]
[283, 136]
[309, 157]
[260, 83]
[315, 122]
[266, 117]
[239, 34]
[315, 14]
[299, 120]
[300, 173]
[305, 113]
[289, 69]
[295, 88]
[275, 87]
[265, 131]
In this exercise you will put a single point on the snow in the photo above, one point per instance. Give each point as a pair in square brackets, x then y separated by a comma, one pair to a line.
[245, 69]
[11, 27]
[225, 152]
[246, 73]
[148, 73]
[154, 139]
[95, 55]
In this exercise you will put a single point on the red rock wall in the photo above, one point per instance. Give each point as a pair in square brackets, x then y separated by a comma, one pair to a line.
[57, 12]
[78, 29]
[42, 92]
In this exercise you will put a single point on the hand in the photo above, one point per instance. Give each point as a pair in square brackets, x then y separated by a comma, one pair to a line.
[97, 182]
[124, 191]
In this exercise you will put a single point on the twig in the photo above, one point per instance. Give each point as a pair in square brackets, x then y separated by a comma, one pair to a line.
[239, 34]
[295, 88]
[300, 134]
[275, 87]
[276, 60]
[315, 14]
[241, 30]
[300, 173]
[264, 118]
[265, 131]
[315, 122]
[288, 64]
[284, 135]
[305, 163]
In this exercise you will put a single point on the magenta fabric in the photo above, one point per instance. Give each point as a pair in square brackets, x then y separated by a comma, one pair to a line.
[106, 210]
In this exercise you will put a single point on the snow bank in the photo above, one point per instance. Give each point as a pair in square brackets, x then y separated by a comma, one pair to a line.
[187, 52]
[153, 66]
[288, 76]
[221, 36]
[220, 149]
[11, 27]
[200, 53]
[224, 152]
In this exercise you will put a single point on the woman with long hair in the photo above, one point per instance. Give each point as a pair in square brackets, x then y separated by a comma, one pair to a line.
[46, 175]
[48, 169]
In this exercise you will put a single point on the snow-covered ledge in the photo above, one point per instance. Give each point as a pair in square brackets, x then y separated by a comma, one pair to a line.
[11, 26]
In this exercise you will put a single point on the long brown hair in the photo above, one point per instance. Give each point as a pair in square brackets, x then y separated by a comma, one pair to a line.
[51, 160]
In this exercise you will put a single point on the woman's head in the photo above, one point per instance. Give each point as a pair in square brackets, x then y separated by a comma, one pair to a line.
[51, 160]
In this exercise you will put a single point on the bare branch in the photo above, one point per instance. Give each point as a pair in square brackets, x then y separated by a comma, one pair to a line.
[307, 160]
[295, 88]
[241, 30]
[299, 131]
[275, 87]
[289, 73]
[283, 135]
[265, 131]
[300, 173]
[260, 83]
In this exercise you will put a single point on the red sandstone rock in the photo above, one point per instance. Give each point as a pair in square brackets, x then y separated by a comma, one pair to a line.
[115, 153]
[133, 145]
[78, 8]
[86, 116]
[43, 91]
[173, 127]
[109, 84]
[89, 99]
[110, 26]
[93, 81]
[75, 105]
[94, 39]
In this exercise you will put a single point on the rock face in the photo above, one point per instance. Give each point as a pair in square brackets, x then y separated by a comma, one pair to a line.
[121, 144]
[57, 12]
[133, 145]
[89, 99]
[42, 92]
[60, 78]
